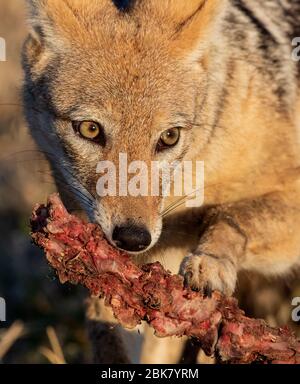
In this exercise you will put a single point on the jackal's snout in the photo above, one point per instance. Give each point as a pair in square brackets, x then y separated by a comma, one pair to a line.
[131, 237]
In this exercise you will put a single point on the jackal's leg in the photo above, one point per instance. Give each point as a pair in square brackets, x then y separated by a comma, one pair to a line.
[261, 235]
[106, 342]
[111, 344]
[161, 350]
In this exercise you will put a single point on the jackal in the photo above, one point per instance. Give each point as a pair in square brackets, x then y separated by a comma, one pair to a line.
[174, 80]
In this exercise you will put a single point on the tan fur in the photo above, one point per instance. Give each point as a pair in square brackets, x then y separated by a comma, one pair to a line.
[141, 72]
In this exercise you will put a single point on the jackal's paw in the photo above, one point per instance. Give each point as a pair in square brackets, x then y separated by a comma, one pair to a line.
[207, 273]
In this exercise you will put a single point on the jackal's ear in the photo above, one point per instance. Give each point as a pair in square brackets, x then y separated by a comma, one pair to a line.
[43, 20]
[194, 23]
[54, 22]
[45, 31]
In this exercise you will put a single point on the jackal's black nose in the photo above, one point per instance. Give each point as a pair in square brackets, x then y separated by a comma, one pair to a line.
[131, 238]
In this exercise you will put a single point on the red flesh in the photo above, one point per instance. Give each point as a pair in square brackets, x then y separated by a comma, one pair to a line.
[80, 254]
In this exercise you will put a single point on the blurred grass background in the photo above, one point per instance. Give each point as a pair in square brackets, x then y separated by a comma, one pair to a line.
[42, 307]
[32, 293]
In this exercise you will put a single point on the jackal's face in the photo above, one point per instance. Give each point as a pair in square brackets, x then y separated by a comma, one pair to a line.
[101, 82]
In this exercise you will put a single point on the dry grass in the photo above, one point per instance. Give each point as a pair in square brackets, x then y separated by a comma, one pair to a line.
[54, 354]
[9, 337]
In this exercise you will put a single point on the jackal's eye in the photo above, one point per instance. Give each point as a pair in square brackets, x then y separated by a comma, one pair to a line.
[168, 138]
[90, 130]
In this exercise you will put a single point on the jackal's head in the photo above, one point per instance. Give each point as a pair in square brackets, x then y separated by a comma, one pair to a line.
[104, 80]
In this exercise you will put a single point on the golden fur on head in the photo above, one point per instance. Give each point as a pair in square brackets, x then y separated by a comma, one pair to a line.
[77, 21]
